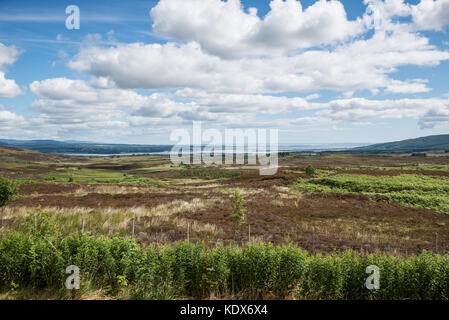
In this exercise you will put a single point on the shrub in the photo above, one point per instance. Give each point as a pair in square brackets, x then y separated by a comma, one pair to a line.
[38, 259]
[238, 205]
[7, 191]
[310, 171]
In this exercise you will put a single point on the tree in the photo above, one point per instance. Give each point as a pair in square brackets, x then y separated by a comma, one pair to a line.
[239, 209]
[7, 192]
[310, 171]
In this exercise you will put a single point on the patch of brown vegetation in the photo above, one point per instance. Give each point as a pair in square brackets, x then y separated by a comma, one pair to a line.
[351, 160]
[47, 188]
[340, 222]
[253, 179]
[96, 200]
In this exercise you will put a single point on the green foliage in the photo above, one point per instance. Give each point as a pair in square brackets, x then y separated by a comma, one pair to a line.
[38, 223]
[37, 260]
[93, 176]
[7, 191]
[239, 210]
[310, 171]
[412, 190]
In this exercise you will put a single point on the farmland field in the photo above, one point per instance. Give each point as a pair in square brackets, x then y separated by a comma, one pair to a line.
[393, 207]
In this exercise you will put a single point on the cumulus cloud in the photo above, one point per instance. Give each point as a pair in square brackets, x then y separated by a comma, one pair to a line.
[78, 104]
[8, 87]
[410, 86]
[225, 29]
[76, 101]
[363, 64]
[437, 116]
[431, 14]
[211, 31]
[225, 65]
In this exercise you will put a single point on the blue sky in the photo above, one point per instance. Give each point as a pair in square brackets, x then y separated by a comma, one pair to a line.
[319, 71]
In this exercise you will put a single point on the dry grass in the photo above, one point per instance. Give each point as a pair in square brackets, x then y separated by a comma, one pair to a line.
[110, 221]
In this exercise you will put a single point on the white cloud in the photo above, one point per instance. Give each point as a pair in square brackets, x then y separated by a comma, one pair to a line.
[8, 87]
[363, 64]
[438, 116]
[431, 14]
[77, 106]
[313, 96]
[259, 48]
[226, 66]
[407, 87]
[10, 121]
[75, 101]
[225, 29]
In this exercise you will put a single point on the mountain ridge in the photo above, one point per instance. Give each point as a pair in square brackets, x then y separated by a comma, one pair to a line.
[421, 144]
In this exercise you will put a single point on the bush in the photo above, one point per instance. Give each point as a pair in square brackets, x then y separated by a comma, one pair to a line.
[238, 205]
[36, 258]
[7, 191]
[310, 171]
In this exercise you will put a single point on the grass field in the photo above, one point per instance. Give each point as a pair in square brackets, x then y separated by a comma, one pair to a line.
[392, 206]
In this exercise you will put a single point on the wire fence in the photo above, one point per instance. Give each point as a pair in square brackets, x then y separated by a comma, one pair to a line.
[310, 240]
[307, 238]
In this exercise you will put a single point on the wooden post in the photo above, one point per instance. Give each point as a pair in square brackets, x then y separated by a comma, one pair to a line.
[313, 240]
[249, 233]
[371, 242]
[82, 227]
[188, 231]
[134, 218]
[436, 242]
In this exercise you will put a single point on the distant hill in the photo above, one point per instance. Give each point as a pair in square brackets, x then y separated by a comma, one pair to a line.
[75, 147]
[430, 143]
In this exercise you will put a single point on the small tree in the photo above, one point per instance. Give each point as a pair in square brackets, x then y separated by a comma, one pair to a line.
[7, 192]
[310, 171]
[239, 209]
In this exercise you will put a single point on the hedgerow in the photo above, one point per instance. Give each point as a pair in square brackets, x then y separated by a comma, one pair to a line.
[36, 258]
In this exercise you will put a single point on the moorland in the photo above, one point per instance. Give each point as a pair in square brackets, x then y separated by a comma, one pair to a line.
[395, 206]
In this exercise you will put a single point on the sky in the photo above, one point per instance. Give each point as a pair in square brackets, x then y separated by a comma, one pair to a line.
[318, 71]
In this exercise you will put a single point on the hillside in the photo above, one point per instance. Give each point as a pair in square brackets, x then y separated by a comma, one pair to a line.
[429, 143]
[75, 147]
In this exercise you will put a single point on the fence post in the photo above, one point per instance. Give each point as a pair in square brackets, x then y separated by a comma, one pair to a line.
[249, 233]
[371, 242]
[134, 218]
[82, 226]
[313, 240]
[188, 231]
[436, 242]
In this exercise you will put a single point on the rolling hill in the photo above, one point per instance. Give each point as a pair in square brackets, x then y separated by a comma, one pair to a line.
[429, 143]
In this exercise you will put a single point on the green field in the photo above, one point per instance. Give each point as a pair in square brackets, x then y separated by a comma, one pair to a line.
[412, 190]
[92, 176]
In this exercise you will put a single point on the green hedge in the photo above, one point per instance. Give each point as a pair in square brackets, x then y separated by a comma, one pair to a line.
[184, 270]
